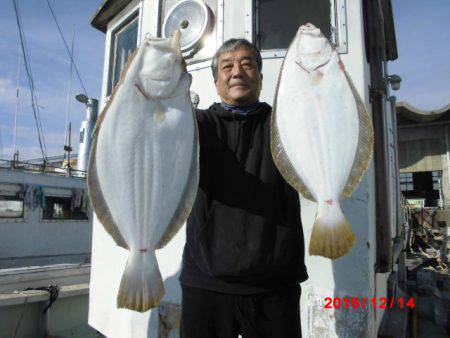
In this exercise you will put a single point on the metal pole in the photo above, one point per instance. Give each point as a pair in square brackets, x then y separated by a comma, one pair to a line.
[70, 88]
[447, 153]
[17, 100]
[68, 149]
[86, 129]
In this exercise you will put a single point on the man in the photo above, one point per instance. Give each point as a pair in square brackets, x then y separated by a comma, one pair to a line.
[244, 253]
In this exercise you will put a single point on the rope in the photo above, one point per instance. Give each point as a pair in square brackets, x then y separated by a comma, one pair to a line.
[53, 291]
[20, 318]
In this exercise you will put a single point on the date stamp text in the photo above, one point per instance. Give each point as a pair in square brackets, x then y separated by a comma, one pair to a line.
[363, 303]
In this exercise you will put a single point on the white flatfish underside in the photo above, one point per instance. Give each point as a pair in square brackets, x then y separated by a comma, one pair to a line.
[144, 177]
[322, 142]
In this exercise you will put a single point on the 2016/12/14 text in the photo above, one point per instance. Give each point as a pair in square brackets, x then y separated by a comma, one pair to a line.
[363, 303]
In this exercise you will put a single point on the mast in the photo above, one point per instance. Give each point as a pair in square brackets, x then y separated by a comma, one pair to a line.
[17, 100]
[69, 93]
[68, 149]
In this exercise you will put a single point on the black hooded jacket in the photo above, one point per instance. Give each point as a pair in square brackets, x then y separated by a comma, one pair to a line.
[244, 234]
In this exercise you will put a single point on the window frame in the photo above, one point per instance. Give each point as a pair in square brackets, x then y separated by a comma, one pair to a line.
[13, 199]
[338, 23]
[406, 178]
[12, 190]
[62, 196]
[436, 177]
[121, 25]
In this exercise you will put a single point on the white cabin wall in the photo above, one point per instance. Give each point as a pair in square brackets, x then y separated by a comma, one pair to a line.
[238, 11]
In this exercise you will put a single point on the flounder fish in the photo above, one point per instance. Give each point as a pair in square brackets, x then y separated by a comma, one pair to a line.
[321, 136]
[144, 164]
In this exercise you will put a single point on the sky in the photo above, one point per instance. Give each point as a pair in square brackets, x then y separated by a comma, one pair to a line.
[50, 66]
[423, 40]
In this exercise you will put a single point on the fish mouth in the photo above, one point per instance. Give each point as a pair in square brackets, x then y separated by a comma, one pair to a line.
[309, 29]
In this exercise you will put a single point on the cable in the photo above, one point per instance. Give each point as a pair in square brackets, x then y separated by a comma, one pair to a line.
[35, 94]
[34, 101]
[67, 48]
[16, 330]
[34, 105]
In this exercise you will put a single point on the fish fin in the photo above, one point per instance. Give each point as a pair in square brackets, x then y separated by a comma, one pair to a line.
[98, 201]
[141, 287]
[364, 150]
[279, 156]
[331, 239]
[188, 197]
[283, 163]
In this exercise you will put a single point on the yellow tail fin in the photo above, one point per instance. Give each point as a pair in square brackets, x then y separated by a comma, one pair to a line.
[331, 241]
[141, 287]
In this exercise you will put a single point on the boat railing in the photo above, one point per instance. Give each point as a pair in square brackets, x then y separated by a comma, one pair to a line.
[43, 168]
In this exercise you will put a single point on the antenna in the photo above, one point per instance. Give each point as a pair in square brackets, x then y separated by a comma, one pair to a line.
[17, 99]
[69, 92]
[68, 149]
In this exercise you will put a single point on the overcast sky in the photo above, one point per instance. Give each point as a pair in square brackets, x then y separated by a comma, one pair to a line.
[423, 39]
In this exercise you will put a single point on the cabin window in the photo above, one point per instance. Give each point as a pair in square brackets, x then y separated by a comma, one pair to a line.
[288, 14]
[60, 208]
[406, 182]
[11, 207]
[123, 42]
[423, 186]
[436, 175]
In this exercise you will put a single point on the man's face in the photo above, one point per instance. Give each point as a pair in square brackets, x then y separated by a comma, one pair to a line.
[238, 78]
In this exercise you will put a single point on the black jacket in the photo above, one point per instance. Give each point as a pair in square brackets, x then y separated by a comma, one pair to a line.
[244, 234]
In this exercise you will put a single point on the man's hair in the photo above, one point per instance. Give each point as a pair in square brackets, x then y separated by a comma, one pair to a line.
[231, 45]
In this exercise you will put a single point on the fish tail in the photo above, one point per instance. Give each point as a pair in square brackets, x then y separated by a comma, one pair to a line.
[332, 234]
[141, 287]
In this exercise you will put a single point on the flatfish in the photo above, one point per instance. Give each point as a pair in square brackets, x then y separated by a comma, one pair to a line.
[321, 136]
[144, 164]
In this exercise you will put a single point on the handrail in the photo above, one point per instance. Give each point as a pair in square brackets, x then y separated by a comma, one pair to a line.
[43, 168]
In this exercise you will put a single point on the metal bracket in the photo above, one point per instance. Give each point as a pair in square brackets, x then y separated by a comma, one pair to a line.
[339, 34]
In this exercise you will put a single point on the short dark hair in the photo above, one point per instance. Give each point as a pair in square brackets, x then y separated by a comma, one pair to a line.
[231, 45]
